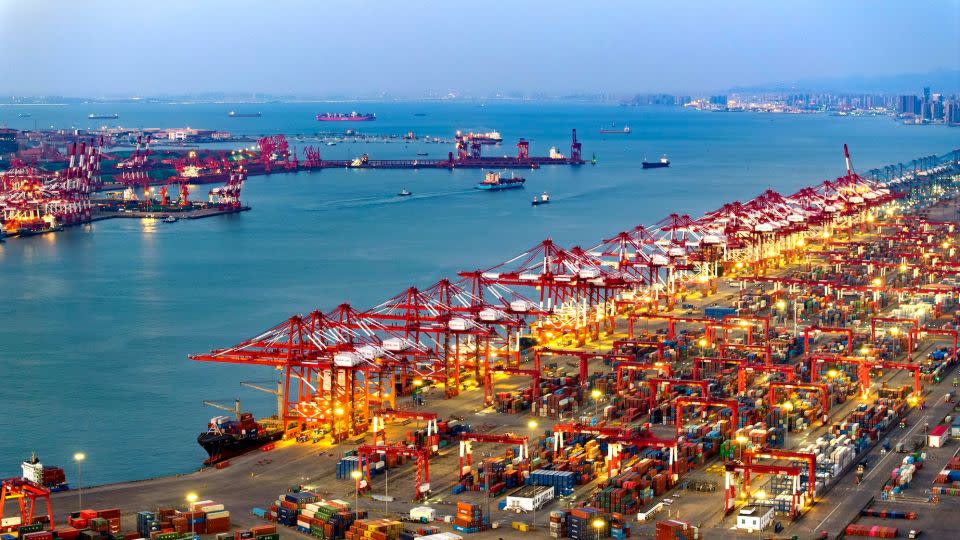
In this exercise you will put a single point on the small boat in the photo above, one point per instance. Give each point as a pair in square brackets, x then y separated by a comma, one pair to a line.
[664, 162]
[331, 143]
[542, 199]
[423, 154]
[404, 193]
[169, 219]
[113, 116]
[625, 130]
[235, 114]
[420, 114]
[23, 115]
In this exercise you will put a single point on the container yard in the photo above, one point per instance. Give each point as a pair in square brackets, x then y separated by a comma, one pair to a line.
[777, 367]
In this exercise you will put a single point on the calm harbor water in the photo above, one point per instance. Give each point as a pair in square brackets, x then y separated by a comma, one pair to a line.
[98, 320]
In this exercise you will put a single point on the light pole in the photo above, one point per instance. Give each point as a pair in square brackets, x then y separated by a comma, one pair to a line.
[895, 332]
[532, 424]
[787, 407]
[356, 508]
[598, 525]
[741, 440]
[79, 457]
[191, 498]
[596, 394]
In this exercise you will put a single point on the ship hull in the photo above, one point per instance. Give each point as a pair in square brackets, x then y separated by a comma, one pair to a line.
[499, 187]
[223, 447]
[655, 165]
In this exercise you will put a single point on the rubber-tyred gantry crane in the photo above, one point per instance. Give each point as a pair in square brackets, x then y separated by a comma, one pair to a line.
[683, 401]
[633, 367]
[895, 331]
[534, 375]
[618, 436]
[743, 366]
[744, 469]
[421, 480]
[848, 332]
[633, 346]
[379, 419]
[582, 356]
[821, 389]
[467, 440]
[26, 494]
[655, 382]
[864, 366]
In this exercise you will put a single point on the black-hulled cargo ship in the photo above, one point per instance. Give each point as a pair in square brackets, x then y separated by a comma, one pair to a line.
[664, 162]
[226, 438]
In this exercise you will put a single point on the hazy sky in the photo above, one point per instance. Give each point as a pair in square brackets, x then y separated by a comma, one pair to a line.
[102, 47]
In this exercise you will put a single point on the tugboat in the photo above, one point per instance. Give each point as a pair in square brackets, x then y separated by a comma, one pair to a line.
[404, 193]
[664, 162]
[493, 182]
[169, 219]
[542, 199]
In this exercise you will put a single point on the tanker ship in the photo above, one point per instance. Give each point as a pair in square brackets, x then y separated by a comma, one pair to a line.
[226, 438]
[341, 117]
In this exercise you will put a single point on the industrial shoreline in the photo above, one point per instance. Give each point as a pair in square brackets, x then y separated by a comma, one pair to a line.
[251, 480]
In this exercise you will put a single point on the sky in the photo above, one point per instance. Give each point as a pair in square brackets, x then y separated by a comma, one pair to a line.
[363, 48]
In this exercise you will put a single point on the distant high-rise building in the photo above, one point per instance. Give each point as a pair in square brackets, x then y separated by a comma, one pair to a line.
[926, 94]
[720, 100]
[951, 112]
[908, 105]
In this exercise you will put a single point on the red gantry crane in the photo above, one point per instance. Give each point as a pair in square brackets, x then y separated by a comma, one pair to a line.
[26, 494]
[421, 481]
[467, 440]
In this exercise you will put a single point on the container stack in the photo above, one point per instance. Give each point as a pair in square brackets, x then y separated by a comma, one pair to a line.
[873, 531]
[558, 524]
[562, 481]
[469, 518]
[374, 529]
[619, 527]
[580, 524]
[674, 529]
[207, 517]
[325, 519]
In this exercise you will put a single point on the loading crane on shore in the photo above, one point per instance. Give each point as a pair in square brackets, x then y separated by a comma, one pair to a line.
[671, 321]
[26, 494]
[467, 440]
[421, 480]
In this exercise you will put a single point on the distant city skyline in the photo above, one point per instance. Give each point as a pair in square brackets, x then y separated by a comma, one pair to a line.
[107, 48]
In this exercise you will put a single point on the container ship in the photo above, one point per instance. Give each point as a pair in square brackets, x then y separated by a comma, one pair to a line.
[226, 438]
[113, 116]
[341, 117]
[235, 114]
[52, 478]
[494, 182]
[491, 137]
[664, 162]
